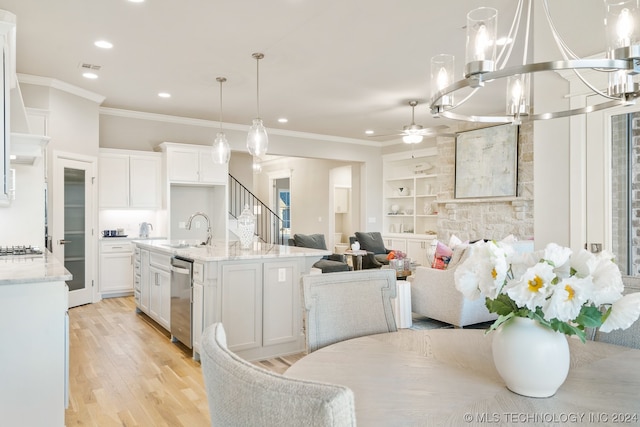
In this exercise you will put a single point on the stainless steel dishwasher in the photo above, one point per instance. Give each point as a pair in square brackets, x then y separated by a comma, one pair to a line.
[181, 299]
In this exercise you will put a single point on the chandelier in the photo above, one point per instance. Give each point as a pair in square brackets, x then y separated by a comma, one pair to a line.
[220, 150]
[483, 64]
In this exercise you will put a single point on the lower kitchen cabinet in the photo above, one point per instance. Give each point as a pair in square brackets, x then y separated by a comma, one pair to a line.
[142, 279]
[258, 300]
[116, 268]
[34, 356]
[155, 287]
[260, 307]
[160, 296]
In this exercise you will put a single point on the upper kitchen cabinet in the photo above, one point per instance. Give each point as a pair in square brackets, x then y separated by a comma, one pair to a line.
[129, 179]
[193, 164]
[8, 76]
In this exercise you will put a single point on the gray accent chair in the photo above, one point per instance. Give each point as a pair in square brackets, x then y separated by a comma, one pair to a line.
[242, 394]
[341, 306]
[434, 295]
[629, 337]
[328, 264]
[373, 243]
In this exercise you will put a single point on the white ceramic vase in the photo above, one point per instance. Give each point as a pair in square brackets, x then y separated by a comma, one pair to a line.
[531, 359]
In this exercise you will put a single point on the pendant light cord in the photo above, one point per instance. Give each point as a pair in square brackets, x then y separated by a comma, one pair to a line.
[258, 57]
[221, 80]
[258, 86]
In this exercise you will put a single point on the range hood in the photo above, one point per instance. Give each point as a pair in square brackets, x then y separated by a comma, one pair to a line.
[24, 146]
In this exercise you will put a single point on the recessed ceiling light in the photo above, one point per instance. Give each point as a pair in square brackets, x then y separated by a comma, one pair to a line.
[103, 44]
[283, 120]
[164, 95]
[369, 132]
[89, 75]
[136, 1]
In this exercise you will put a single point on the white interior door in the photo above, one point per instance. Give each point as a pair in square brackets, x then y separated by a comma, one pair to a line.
[72, 238]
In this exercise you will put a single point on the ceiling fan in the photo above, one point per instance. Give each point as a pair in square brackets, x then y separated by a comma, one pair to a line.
[413, 133]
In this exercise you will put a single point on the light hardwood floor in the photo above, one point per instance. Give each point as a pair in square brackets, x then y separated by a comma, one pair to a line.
[125, 371]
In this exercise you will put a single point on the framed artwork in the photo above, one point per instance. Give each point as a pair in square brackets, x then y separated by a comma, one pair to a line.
[487, 162]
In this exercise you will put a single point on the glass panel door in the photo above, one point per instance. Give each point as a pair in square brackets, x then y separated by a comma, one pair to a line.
[74, 226]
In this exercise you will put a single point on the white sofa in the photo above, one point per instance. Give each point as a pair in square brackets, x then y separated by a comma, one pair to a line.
[434, 295]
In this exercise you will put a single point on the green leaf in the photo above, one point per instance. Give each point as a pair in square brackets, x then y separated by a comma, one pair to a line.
[568, 329]
[502, 305]
[590, 317]
[499, 321]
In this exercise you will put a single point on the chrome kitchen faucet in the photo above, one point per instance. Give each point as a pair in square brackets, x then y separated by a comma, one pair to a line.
[208, 242]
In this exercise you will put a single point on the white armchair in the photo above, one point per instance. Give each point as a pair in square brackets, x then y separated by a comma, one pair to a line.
[434, 295]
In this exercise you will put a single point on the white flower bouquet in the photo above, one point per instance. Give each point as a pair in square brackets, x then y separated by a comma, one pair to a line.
[563, 291]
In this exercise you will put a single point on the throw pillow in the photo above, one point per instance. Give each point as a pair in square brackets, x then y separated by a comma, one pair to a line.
[442, 256]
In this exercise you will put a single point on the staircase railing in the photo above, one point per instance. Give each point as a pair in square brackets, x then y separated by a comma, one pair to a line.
[269, 226]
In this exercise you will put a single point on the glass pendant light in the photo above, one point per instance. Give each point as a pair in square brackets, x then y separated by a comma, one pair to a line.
[257, 139]
[220, 150]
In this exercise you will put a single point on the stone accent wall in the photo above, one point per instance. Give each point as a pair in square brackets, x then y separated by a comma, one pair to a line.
[490, 218]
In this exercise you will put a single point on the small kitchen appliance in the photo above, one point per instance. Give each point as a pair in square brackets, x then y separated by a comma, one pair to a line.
[145, 227]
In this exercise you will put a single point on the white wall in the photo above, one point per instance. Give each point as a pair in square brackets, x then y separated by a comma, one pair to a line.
[141, 131]
[23, 222]
[73, 127]
[310, 192]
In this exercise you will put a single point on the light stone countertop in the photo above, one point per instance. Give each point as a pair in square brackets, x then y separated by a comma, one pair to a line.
[16, 269]
[228, 251]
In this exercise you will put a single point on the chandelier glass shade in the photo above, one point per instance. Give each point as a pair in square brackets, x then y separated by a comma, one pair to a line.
[482, 66]
[257, 138]
[220, 150]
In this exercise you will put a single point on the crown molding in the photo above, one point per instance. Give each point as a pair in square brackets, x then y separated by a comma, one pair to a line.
[60, 85]
[141, 115]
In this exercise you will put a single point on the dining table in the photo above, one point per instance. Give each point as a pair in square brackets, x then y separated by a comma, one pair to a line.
[446, 377]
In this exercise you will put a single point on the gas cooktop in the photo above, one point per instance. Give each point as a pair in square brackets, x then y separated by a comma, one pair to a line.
[19, 250]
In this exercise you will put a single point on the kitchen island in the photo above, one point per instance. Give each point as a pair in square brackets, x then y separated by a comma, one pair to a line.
[34, 333]
[254, 292]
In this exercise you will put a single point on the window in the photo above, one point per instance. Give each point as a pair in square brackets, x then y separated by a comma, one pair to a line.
[625, 178]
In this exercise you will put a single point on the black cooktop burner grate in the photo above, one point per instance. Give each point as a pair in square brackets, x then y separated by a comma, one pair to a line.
[19, 250]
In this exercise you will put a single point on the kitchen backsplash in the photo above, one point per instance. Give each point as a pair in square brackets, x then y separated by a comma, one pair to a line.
[130, 219]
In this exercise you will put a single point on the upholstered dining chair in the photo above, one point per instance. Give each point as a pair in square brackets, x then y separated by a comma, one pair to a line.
[341, 306]
[242, 394]
[629, 337]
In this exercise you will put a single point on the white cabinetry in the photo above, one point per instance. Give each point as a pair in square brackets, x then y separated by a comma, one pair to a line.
[260, 307]
[341, 200]
[33, 359]
[410, 190]
[116, 268]
[129, 179]
[418, 250]
[155, 286]
[8, 80]
[160, 289]
[193, 164]
[141, 279]
[197, 312]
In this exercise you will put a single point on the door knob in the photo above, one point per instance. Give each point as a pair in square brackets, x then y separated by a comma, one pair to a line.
[62, 242]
